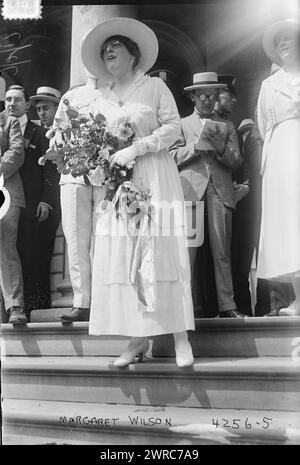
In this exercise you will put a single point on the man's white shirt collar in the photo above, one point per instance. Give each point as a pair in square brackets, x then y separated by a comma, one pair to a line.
[23, 121]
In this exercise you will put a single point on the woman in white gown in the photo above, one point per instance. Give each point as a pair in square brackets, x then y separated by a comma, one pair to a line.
[278, 114]
[120, 50]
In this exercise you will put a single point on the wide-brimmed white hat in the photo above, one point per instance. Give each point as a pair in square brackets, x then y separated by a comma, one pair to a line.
[135, 30]
[46, 93]
[205, 80]
[270, 34]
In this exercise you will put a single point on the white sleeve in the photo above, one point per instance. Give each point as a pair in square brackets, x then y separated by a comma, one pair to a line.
[262, 112]
[61, 121]
[167, 114]
[61, 118]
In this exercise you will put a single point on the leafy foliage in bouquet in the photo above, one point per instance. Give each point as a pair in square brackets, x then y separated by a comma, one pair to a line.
[86, 145]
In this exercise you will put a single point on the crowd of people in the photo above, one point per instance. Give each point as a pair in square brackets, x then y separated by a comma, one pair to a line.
[243, 182]
[28, 230]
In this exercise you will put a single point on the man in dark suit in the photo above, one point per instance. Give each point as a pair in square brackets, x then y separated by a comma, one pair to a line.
[246, 218]
[40, 219]
[11, 159]
[227, 100]
[207, 175]
[227, 97]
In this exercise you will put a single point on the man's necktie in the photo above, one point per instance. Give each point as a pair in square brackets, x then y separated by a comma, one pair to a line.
[201, 116]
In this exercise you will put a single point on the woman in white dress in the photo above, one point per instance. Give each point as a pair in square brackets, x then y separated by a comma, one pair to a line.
[158, 300]
[278, 114]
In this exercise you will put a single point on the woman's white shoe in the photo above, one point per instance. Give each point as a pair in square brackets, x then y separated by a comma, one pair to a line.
[137, 347]
[185, 359]
[292, 310]
[183, 350]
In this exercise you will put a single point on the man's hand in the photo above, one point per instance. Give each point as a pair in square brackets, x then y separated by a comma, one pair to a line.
[56, 156]
[215, 138]
[42, 212]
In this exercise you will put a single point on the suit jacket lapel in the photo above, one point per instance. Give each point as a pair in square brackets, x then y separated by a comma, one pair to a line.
[3, 131]
[195, 124]
[30, 131]
[216, 117]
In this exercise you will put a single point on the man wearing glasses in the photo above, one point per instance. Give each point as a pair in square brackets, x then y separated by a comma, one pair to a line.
[206, 158]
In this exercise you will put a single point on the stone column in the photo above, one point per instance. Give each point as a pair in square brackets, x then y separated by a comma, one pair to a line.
[84, 17]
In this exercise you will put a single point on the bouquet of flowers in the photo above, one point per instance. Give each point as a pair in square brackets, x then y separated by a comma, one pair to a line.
[84, 148]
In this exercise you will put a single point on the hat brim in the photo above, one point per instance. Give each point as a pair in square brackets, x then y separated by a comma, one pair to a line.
[205, 86]
[269, 36]
[6, 204]
[34, 98]
[245, 127]
[231, 90]
[135, 30]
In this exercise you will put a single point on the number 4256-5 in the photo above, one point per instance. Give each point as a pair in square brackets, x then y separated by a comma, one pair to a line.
[238, 423]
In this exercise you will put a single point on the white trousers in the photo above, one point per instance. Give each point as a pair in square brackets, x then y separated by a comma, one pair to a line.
[77, 206]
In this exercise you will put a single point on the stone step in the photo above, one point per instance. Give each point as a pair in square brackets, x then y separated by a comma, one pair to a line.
[48, 314]
[263, 383]
[28, 422]
[235, 337]
[214, 337]
[57, 339]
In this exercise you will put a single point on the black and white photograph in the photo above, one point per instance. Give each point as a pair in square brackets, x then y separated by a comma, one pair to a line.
[150, 225]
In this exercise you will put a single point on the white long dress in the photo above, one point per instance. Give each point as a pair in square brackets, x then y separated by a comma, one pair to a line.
[279, 124]
[117, 307]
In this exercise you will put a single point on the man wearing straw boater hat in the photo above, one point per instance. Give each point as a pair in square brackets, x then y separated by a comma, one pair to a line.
[46, 101]
[206, 164]
[38, 221]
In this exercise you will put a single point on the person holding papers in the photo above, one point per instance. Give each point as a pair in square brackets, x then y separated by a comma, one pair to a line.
[206, 155]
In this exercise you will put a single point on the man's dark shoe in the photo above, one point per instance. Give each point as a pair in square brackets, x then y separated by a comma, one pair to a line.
[17, 316]
[231, 314]
[76, 314]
